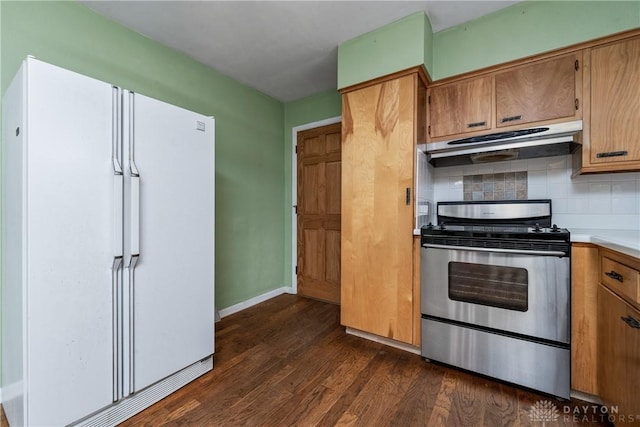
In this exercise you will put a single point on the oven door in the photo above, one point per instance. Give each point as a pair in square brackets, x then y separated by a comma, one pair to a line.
[521, 293]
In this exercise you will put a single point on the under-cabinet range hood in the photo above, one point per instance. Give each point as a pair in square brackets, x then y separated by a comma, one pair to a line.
[551, 140]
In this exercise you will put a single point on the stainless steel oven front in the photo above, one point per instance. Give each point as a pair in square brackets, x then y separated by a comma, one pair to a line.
[521, 292]
[495, 292]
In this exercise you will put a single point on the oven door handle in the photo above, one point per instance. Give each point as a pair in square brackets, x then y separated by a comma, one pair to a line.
[503, 251]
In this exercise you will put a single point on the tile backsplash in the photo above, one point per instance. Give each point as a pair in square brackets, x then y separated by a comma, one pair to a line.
[495, 186]
[607, 201]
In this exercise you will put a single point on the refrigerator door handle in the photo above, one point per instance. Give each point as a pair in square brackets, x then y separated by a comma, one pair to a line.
[132, 266]
[132, 160]
[115, 295]
[135, 215]
[116, 135]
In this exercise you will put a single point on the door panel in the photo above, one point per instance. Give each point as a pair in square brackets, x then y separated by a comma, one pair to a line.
[333, 187]
[319, 193]
[173, 280]
[332, 255]
[541, 91]
[313, 176]
[460, 107]
[378, 152]
[69, 245]
[614, 128]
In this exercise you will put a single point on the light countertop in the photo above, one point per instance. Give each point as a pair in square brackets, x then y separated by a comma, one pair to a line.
[624, 241]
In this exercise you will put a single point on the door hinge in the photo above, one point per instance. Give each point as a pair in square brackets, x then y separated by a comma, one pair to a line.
[577, 104]
[577, 65]
[429, 129]
[296, 269]
[429, 99]
[296, 149]
[296, 208]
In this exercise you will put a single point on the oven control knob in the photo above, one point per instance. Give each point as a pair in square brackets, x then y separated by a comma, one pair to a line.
[441, 226]
[555, 229]
[429, 226]
[537, 228]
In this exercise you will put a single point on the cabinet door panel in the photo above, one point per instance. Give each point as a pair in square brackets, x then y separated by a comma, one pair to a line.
[615, 110]
[536, 92]
[460, 107]
[619, 353]
[377, 222]
[584, 306]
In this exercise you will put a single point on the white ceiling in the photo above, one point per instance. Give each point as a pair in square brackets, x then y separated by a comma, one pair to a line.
[286, 49]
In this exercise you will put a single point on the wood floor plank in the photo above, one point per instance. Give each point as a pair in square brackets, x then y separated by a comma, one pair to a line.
[500, 405]
[442, 407]
[417, 405]
[288, 362]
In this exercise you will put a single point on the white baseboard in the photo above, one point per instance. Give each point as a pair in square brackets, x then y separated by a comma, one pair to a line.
[255, 300]
[383, 340]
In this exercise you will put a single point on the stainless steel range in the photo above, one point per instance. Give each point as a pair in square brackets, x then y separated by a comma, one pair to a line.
[496, 292]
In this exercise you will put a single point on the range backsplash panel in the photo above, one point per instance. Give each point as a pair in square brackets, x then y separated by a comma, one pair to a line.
[495, 186]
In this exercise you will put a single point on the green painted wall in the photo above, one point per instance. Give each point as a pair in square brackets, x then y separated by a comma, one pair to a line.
[394, 47]
[428, 44]
[526, 29]
[314, 108]
[249, 126]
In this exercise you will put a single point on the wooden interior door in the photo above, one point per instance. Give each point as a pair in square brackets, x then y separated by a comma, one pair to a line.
[319, 156]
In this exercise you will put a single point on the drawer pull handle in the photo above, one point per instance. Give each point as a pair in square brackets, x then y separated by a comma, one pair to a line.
[476, 124]
[612, 154]
[615, 276]
[634, 323]
[511, 119]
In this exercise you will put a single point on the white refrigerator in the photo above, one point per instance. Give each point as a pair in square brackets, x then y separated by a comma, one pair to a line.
[107, 249]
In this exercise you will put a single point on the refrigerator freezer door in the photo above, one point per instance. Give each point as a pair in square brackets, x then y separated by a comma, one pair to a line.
[70, 250]
[173, 291]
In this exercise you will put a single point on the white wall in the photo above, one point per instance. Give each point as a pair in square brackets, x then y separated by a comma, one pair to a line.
[607, 201]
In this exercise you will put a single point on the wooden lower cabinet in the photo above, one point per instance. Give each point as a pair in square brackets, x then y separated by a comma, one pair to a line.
[584, 307]
[379, 130]
[619, 356]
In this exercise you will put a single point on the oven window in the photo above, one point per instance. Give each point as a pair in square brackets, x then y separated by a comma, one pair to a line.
[492, 285]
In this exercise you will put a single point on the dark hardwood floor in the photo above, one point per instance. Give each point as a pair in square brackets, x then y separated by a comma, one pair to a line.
[288, 362]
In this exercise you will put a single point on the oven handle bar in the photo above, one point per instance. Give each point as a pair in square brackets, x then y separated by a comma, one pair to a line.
[504, 251]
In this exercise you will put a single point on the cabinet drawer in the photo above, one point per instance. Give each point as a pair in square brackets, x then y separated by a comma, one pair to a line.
[620, 278]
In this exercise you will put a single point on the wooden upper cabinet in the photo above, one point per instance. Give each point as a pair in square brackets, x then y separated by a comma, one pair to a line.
[615, 105]
[460, 107]
[541, 92]
[544, 90]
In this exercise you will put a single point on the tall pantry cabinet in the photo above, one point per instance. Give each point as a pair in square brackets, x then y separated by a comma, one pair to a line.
[381, 123]
[107, 249]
